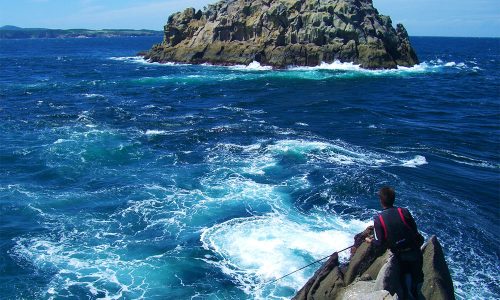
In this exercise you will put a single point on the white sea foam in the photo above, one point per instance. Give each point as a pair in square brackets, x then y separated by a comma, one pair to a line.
[347, 69]
[83, 261]
[324, 71]
[336, 65]
[85, 117]
[298, 146]
[418, 160]
[127, 58]
[224, 187]
[336, 153]
[263, 157]
[59, 141]
[424, 67]
[257, 249]
[155, 132]
[466, 160]
[92, 95]
[478, 163]
[253, 66]
[142, 60]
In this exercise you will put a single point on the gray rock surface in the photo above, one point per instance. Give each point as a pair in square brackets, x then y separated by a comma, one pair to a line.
[437, 279]
[327, 281]
[361, 261]
[358, 291]
[281, 33]
[388, 277]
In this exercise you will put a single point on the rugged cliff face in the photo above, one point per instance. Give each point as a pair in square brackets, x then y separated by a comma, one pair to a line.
[281, 33]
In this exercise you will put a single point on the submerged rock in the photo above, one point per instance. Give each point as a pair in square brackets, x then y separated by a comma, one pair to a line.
[280, 33]
[373, 273]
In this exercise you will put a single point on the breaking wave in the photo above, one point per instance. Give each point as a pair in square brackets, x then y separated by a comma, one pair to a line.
[256, 71]
[335, 69]
[256, 250]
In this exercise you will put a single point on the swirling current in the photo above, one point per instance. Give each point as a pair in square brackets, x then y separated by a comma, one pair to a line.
[125, 180]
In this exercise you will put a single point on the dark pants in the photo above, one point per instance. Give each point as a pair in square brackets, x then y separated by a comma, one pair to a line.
[410, 263]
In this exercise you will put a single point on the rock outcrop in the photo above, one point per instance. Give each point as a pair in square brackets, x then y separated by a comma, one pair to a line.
[437, 280]
[373, 274]
[282, 33]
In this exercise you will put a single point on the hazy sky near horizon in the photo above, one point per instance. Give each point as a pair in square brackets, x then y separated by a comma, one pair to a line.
[420, 17]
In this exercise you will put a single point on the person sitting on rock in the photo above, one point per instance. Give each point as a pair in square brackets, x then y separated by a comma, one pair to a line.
[396, 229]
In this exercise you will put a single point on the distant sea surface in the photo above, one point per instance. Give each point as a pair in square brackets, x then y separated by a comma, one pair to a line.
[123, 179]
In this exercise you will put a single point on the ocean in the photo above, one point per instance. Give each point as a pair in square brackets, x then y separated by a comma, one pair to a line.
[123, 179]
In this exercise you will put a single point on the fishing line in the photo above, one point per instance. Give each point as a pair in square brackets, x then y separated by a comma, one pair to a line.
[266, 283]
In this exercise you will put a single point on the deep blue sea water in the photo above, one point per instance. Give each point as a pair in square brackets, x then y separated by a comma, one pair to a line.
[125, 180]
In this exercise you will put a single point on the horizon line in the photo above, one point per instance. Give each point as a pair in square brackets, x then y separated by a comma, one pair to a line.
[160, 30]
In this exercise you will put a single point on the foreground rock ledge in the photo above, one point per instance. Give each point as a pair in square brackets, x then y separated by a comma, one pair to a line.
[283, 33]
[373, 274]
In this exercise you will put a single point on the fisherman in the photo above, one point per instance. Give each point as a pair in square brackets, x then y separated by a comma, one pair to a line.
[396, 229]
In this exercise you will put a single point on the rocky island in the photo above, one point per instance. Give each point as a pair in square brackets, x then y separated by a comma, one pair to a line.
[283, 33]
[372, 273]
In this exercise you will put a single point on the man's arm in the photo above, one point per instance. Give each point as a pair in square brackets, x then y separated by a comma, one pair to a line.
[409, 219]
[419, 239]
[378, 233]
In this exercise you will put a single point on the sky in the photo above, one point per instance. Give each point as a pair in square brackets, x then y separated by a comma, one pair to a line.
[476, 18]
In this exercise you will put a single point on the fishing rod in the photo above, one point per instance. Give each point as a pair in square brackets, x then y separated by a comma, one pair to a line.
[266, 283]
